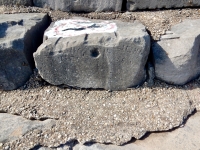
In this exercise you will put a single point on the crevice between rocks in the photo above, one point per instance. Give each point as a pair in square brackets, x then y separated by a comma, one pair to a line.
[124, 2]
[30, 45]
[3, 112]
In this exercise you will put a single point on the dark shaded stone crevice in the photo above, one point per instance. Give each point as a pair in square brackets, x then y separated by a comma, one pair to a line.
[124, 3]
[33, 41]
[70, 144]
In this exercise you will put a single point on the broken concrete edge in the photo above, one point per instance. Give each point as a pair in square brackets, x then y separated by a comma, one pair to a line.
[74, 143]
[50, 123]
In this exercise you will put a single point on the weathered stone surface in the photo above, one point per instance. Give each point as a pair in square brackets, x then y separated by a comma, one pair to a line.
[185, 138]
[16, 2]
[153, 4]
[13, 127]
[177, 54]
[81, 5]
[110, 55]
[20, 36]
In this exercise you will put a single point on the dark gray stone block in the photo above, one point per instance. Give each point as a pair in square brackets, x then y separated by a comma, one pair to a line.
[16, 2]
[20, 36]
[81, 5]
[97, 54]
[177, 54]
[153, 4]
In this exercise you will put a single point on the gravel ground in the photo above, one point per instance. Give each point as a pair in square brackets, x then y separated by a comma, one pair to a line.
[98, 115]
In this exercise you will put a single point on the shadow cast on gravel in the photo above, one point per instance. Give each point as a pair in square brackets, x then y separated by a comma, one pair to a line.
[69, 145]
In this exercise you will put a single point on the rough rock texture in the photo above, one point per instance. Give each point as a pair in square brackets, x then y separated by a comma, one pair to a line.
[177, 54]
[20, 36]
[16, 2]
[185, 138]
[81, 5]
[36, 100]
[157, 22]
[153, 4]
[13, 127]
[102, 55]
[100, 116]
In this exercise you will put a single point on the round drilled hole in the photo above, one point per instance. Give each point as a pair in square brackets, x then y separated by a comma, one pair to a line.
[94, 53]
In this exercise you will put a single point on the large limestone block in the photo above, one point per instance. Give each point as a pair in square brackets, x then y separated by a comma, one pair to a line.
[94, 54]
[81, 5]
[20, 36]
[153, 4]
[16, 2]
[177, 54]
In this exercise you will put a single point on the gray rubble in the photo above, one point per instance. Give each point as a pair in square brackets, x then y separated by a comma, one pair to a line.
[133, 5]
[13, 127]
[20, 36]
[16, 2]
[109, 55]
[81, 5]
[177, 55]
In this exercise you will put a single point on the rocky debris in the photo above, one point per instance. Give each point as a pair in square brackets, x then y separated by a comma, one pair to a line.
[13, 127]
[81, 5]
[16, 2]
[21, 34]
[133, 5]
[94, 54]
[35, 81]
[177, 55]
